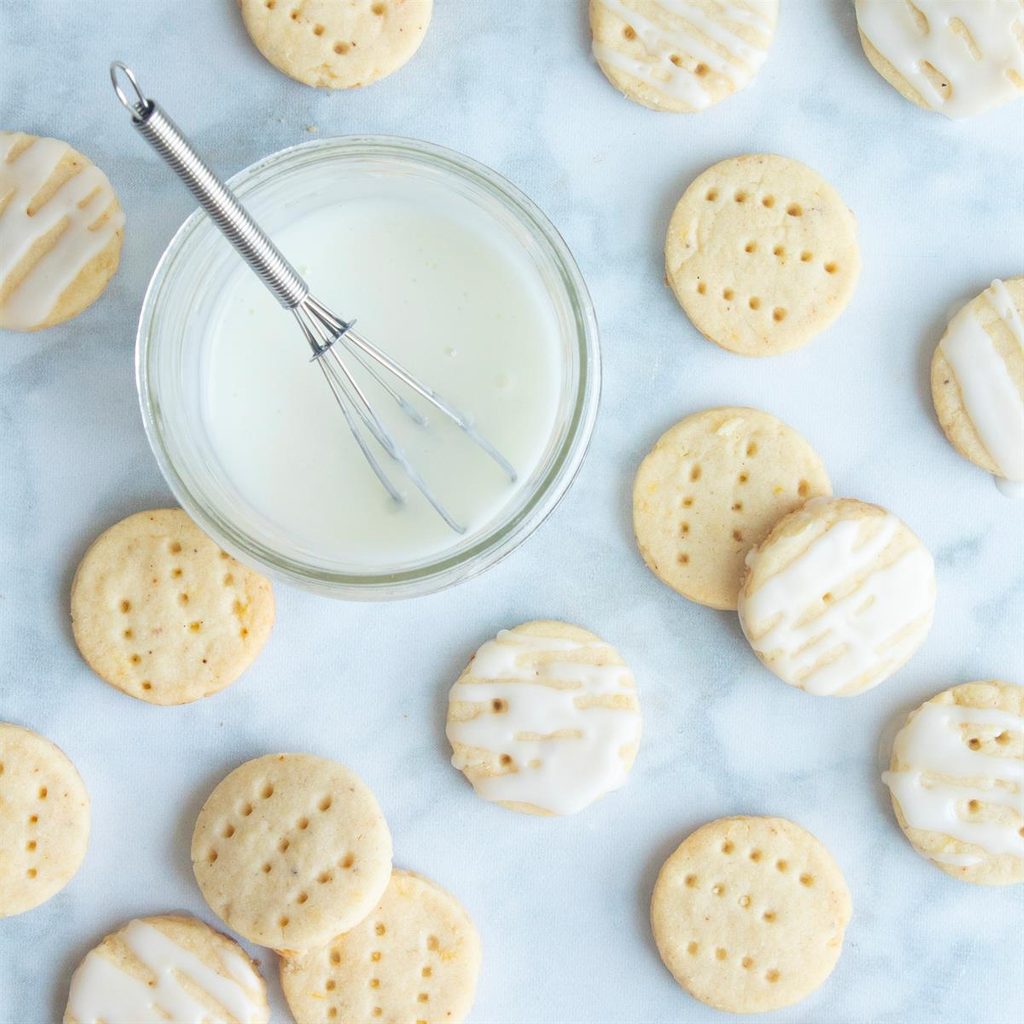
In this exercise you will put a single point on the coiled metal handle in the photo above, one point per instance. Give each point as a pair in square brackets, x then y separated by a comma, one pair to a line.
[211, 193]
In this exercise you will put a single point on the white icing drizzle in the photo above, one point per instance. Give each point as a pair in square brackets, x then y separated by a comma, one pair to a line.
[990, 396]
[1002, 302]
[944, 774]
[102, 993]
[564, 755]
[980, 74]
[848, 644]
[733, 57]
[79, 205]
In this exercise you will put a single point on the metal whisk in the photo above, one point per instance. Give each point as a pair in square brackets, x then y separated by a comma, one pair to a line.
[330, 337]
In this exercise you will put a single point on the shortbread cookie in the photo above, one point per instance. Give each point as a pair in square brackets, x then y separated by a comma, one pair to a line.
[337, 44]
[44, 820]
[960, 57]
[160, 612]
[749, 914]
[60, 232]
[170, 968]
[978, 380]
[290, 850]
[957, 781]
[762, 254]
[710, 489]
[544, 719]
[415, 958]
[681, 55]
[837, 597]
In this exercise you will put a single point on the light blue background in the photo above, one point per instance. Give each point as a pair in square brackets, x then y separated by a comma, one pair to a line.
[561, 904]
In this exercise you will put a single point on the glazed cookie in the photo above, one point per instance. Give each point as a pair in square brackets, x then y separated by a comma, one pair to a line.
[837, 597]
[544, 719]
[336, 44]
[290, 850]
[762, 254]
[957, 781]
[44, 820]
[978, 380]
[170, 968]
[160, 612]
[947, 55]
[60, 232]
[414, 958]
[681, 55]
[749, 914]
[710, 489]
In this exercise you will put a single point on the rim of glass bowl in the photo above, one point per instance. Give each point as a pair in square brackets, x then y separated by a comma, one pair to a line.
[424, 578]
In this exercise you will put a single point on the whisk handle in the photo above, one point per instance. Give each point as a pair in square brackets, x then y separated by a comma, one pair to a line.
[234, 221]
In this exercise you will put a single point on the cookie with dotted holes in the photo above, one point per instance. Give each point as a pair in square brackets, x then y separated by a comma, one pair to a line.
[762, 254]
[837, 597]
[336, 44]
[957, 58]
[60, 233]
[415, 958]
[290, 850]
[710, 489]
[171, 968]
[978, 380]
[749, 914]
[681, 55]
[544, 719]
[44, 820]
[957, 781]
[160, 612]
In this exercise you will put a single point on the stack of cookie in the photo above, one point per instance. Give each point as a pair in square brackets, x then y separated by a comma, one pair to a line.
[732, 509]
[292, 852]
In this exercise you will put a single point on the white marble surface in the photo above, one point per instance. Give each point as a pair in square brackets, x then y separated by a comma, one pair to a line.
[561, 904]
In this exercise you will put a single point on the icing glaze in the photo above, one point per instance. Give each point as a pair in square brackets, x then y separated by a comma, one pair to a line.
[849, 643]
[564, 742]
[1002, 302]
[80, 210]
[102, 992]
[476, 320]
[989, 394]
[973, 46]
[706, 39]
[944, 774]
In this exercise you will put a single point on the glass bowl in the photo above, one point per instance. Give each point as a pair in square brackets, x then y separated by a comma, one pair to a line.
[181, 301]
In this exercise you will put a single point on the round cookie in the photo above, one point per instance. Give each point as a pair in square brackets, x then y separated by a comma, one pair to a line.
[160, 612]
[337, 44]
[681, 55]
[290, 850]
[414, 958]
[978, 380]
[710, 489]
[957, 781]
[762, 254]
[837, 597]
[60, 233]
[749, 914]
[44, 820]
[172, 968]
[544, 719]
[957, 58]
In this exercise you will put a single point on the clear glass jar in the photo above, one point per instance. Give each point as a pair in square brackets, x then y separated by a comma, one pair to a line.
[181, 300]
